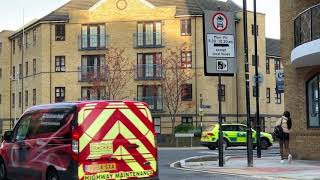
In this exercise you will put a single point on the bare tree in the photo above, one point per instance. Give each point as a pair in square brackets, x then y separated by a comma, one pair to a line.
[176, 76]
[114, 75]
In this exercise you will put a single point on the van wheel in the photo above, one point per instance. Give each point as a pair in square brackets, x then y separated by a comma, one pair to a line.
[52, 174]
[264, 144]
[212, 147]
[3, 170]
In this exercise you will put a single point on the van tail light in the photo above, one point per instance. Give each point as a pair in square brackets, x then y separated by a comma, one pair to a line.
[210, 134]
[75, 144]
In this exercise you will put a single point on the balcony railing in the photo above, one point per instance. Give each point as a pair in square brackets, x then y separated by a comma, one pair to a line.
[92, 73]
[149, 71]
[148, 40]
[307, 26]
[155, 102]
[93, 42]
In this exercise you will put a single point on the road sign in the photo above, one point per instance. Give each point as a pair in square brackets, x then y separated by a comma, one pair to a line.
[219, 43]
[205, 106]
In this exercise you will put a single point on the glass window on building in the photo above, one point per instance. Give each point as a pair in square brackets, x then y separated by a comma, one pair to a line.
[60, 32]
[268, 95]
[186, 120]
[34, 97]
[13, 100]
[60, 94]
[0, 99]
[157, 124]
[34, 37]
[149, 34]
[278, 98]
[93, 93]
[186, 59]
[20, 71]
[152, 95]
[0, 47]
[277, 64]
[20, 99]
[186, 92]
[26, 97]
[60, 64]
[27, 68]
[313, 102]
[14, 72]
[0, 73]
[34, 66]
[185, 27]
[93, 36]
[267, 66]
[252, 30]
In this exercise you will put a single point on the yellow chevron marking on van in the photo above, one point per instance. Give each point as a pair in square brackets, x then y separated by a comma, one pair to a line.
[144, 112]
[80, 171]
[135, 120]
[113, 132]
[150, 137]
[83, 114]
[83, 141]
[153, 164]
[125, 131]
[149, 115]
[134, 165]
[99, 122]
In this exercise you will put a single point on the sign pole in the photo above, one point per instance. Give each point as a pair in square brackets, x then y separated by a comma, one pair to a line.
[257, 81]
[247, 76]
[220, 125]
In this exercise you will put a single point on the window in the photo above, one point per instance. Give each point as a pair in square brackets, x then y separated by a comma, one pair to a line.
[149, 34]
[60, 64]
[26, 40]
[34, 66]
[0, 47]
[268, 95]
[60, 94]
[252, 30]
[14, 72]
[223, 92]
[152, 95]
[186, 59]
[0, 73]
[93, 36]
[92, 67]
[27, 68]
[186, 92]
[0, 98]
[13, 46]
[20, 71]
[20, 43]
[254, 91]
[93, 93]
[278, 98]
[34, 37]
[22, 128]
[20, 99]
[230, 128]
[157, 124]
[277, 64]
[253, 60]
[26, 96]
[185, 27]
[34, 97]
[149, 66]
[186, 120]
[13, 100]
[313, 102]
[60, 32]
[267, 66]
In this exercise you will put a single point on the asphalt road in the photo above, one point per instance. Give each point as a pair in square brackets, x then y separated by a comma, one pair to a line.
[169, 155]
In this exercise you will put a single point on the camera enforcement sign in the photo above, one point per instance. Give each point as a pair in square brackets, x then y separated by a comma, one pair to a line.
[220, 52]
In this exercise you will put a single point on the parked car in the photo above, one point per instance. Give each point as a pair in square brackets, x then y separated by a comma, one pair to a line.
[233, 135]
[81, 140]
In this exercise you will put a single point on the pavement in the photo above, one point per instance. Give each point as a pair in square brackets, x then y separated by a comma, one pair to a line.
[264, 168]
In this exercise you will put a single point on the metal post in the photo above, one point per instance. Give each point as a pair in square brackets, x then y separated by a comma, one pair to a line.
[257, 81]
[247, 77]
[220, 125]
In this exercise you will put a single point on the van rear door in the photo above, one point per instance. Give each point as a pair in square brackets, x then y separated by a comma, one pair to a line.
[116, 141]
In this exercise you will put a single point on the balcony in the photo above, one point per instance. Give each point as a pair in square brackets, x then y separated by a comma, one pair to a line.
[148, 40]
[306, 50]
[149, 72]
[155, 102]
[93, 42]
[92, 73]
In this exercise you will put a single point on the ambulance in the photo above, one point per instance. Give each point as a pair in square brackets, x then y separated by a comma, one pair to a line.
[91, 140]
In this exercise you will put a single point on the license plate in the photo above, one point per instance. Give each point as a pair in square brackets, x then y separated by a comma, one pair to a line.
[96, 168]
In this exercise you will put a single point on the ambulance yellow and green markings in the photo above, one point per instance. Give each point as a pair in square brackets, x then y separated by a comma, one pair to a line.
[233, 135]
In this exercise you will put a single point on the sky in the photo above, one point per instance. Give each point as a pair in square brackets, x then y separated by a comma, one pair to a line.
[11, 13]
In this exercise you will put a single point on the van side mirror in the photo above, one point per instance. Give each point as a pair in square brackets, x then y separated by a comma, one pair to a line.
[8, 135]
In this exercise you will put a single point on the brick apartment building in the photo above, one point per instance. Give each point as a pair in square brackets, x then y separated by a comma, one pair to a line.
[48, 65]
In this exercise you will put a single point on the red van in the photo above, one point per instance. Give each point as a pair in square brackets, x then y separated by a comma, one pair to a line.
[92, 140]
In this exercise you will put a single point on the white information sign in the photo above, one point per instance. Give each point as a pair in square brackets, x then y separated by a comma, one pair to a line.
[220, 46]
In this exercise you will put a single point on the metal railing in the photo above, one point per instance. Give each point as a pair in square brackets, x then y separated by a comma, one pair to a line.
[148, 40]
[93, 42]
[307, 26]
[155, 102]
[149, 71]
[92, 73]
